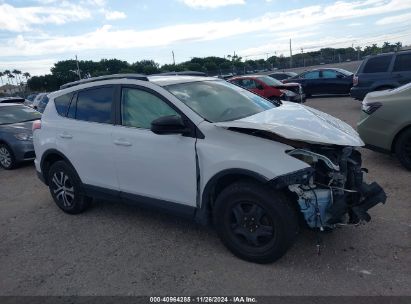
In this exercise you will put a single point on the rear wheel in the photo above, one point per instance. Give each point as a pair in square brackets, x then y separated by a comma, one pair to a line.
[7, 160]
[254, 222]
[65, 188]
[403, 148]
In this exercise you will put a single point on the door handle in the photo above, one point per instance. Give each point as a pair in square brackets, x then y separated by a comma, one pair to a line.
[65, 135]
[122, 142]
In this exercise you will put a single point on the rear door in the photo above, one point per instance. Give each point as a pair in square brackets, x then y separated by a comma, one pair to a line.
[84, 136]
[311, 82]
[401, 71]
[334, 82]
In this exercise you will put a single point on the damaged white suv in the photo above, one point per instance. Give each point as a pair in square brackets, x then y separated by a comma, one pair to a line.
[206, 149]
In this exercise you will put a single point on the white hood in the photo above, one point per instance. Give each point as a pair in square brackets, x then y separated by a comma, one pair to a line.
[298, 122]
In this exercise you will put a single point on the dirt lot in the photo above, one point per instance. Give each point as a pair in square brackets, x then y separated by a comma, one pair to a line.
[116, 249]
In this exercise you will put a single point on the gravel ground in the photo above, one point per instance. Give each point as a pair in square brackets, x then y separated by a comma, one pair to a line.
[117, 249]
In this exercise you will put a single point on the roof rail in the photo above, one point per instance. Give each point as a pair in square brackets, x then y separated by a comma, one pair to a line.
[183, 73]
[105, 77]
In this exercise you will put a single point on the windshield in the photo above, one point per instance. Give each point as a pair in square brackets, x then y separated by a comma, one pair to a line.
[15, 114]
[270, 81]
[218, 101]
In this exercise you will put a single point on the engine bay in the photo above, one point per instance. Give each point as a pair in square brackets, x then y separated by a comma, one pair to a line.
[336, 193]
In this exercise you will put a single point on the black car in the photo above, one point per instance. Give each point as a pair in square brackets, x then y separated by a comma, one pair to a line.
[12, 100]
[382, 72]
[282, 75]
[16, 137]
[324, 81]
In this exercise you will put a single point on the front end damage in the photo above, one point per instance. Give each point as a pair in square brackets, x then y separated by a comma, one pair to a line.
[333, 191]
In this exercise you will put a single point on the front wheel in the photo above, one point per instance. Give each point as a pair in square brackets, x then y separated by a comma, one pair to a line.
[403, 148]
[65, 188]
[254, 222]
[7, 160]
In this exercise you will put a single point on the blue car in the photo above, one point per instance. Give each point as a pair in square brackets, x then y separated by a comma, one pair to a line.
[16, 137]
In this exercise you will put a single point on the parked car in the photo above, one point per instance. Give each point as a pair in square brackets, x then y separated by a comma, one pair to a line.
[270, 88]
[39, 101]
[207, 149]
[16, 140]
[382, 72]
[12, 100]
[282, 75]
[385, 124]
[324, 81]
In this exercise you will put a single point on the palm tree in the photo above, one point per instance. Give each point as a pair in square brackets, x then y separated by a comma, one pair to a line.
[1, 77]
[7, 73]
[17, 73]
[26, 75]
[11, 76]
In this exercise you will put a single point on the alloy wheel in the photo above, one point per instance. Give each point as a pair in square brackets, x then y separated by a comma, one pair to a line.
[63, 189]
[5, 157]
[251, 225]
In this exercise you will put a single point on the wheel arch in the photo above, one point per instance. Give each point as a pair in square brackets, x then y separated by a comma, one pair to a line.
[394, 142]
[217, 183]
[48, 158]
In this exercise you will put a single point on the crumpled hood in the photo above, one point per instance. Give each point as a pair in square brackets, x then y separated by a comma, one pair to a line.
[298, 122]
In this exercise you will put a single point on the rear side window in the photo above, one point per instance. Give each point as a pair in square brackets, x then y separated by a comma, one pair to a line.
[329, 74]
[95, 105]
[312, 75]
[377, 64]
[62, 103]
[402, 63]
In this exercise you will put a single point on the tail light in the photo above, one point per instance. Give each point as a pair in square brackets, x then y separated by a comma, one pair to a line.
[355, 80]
[36, 125]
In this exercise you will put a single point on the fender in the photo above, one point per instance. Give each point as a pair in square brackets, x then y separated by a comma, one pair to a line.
[43, 164]
[202, 215]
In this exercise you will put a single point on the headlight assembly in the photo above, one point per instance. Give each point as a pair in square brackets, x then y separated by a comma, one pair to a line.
[23, 136]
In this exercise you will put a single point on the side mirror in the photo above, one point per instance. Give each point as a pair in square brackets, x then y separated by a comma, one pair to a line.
[171, 124]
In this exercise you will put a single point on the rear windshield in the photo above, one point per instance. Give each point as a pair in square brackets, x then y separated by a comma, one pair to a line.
[378, 64]
[15, 114]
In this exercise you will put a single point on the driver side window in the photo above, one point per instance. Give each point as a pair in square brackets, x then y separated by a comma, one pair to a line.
[139, 108]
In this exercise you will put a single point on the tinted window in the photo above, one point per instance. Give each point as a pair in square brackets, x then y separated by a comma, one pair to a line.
[62, 104]
[139, 108]
[377, 64]
[248, 83]
[311, 75]
[402, 63]
[329, 74]
[95, 105]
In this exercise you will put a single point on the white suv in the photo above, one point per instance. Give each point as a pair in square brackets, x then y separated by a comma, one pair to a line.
[207, 149]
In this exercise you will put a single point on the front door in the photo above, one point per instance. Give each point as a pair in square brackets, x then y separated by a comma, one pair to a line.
[154, 166]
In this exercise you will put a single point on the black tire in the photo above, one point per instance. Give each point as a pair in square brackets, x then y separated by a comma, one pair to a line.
[65, 188]
[403, 148]
[7, 159]
[265, 229]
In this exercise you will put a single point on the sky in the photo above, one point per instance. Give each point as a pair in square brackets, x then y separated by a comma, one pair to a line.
[34, 34]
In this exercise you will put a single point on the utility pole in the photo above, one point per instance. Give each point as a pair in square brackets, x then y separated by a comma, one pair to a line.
[174, 61]
[78, 69]
[302, 55]
[291, 56]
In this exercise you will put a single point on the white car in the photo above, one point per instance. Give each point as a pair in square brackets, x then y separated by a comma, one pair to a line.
[207, 149]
